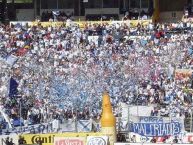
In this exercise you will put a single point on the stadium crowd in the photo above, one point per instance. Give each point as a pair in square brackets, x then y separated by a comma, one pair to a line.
[61, 72]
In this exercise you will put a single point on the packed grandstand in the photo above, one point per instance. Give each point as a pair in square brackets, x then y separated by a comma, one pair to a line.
[52, 78]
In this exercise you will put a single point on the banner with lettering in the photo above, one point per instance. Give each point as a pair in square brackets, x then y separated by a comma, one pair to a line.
[69, 141]
[156, 129]
[155, 126]
[38, 128]
[65, 126]
[151, 126]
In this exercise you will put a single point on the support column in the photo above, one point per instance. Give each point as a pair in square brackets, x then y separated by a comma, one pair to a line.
[5, 12]
[35, 8]
[156, 12]
[76, 7]
[124, 4]
[82, 8]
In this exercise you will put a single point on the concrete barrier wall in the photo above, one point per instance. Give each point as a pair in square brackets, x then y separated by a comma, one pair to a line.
[102, 11]
[67, 11]
[171, 16]
[25, 14]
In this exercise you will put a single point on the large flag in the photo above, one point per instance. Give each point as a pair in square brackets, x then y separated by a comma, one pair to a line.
[55, 14]
[13, 91]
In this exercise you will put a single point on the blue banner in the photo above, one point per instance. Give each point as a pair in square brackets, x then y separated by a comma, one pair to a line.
[158, 129]
[155, 126]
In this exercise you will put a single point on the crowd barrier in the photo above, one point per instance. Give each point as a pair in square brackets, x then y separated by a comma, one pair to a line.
[71, 139]
[149, 144]
[67, 139]
[81, 24]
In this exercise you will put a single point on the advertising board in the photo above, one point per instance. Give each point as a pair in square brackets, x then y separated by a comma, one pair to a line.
[97, 140]
[69, 141]
[48, 139]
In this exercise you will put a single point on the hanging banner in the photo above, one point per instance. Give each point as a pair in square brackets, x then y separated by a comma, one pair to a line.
[156, 129]
[152, 126]
[66, 126]
[5, 139]
[84, 125]
[38, 128]
[69, 126]
[157, 126]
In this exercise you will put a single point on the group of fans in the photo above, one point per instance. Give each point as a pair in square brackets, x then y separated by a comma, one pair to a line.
[61, 72]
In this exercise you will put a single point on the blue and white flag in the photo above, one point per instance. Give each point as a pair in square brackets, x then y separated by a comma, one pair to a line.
[84, 125]
[56, 13]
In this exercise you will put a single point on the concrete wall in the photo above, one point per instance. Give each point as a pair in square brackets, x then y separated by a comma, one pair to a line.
[64, 10]
[139, 110]
[172, 5]
[28, 14]
[171, 16]
[79, 18]
[102, 11]
[25, 14]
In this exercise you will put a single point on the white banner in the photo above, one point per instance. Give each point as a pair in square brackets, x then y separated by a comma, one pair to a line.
[38, 128]
[5, 139]
[69, 126]
[55, 126]
[139, 110]
[22, 23]
[84, 125]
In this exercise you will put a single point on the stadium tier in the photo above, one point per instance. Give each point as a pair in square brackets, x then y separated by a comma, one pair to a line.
[122, 76]
[53, 75]
[158, 10]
